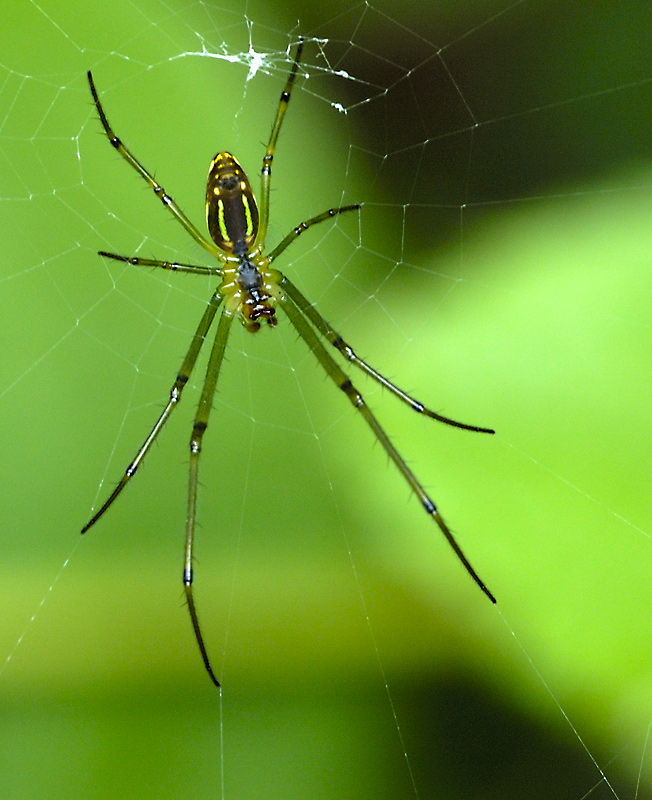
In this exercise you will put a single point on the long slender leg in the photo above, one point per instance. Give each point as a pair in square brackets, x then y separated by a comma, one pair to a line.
[343, 382]
[266, 172]
[175, 396]
[175, 266]
[349, 354]
[198, 430]
[296, 232]
[158, 190]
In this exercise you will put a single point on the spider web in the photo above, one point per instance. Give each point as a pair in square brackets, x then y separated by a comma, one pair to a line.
[499, 269]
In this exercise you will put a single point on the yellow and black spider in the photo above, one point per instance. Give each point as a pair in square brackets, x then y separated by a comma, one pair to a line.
[252, 290]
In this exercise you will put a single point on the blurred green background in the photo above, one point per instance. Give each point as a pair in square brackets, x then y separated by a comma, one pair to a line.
[499, 269]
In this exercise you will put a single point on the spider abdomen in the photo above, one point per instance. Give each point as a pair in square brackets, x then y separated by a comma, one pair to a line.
[231, 210]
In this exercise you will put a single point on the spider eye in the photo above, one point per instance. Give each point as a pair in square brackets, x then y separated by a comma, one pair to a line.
[231, 210]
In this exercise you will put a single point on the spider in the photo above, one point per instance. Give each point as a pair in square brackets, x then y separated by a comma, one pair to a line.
[252, 290]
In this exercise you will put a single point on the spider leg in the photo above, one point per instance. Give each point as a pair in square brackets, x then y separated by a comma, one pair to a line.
[266, 172]
[199, 427]
[342, 381]
[296, 232]
[175, 266]
[175, 395]
[332, 336]
[158, 190]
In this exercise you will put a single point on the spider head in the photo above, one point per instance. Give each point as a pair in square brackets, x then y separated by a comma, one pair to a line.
[254, 311]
